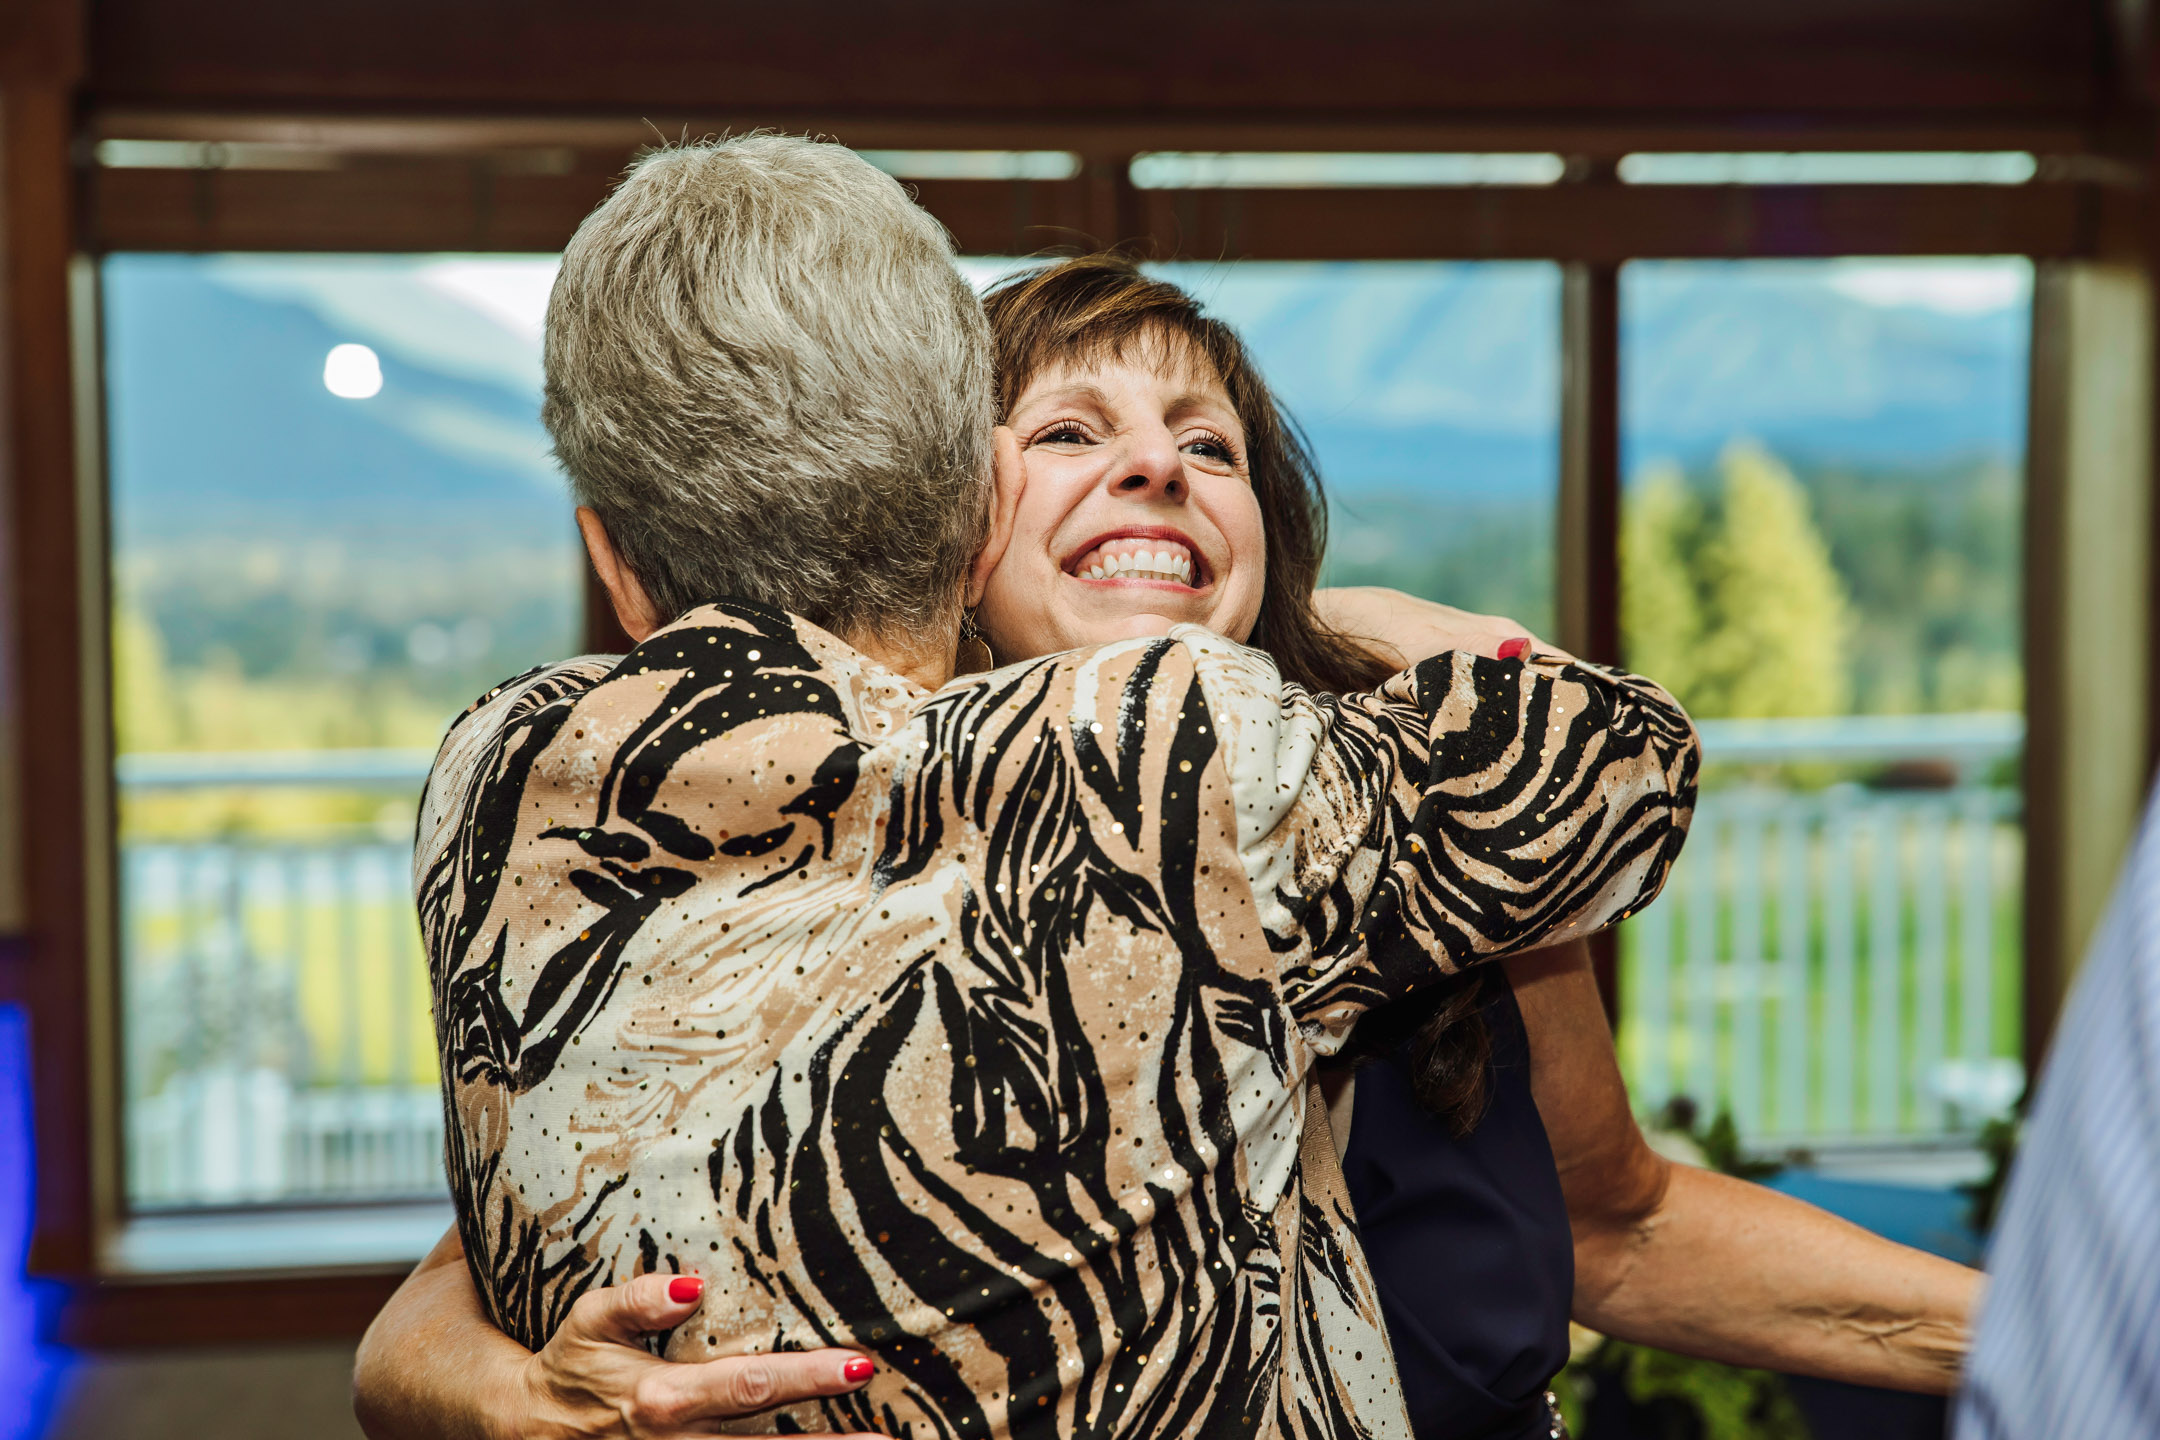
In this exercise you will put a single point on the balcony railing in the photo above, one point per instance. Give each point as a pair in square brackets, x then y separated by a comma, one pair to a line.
[1830, 960]
[1833, 961]
[277, 1034]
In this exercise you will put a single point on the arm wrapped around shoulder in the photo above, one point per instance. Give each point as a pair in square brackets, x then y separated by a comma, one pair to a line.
[1472, 808]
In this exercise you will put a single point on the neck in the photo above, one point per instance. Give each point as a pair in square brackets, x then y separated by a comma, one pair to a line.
[925, 659]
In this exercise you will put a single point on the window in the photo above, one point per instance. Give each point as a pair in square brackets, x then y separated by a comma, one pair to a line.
[334, 521]
[1820, 550]
[1263, 170]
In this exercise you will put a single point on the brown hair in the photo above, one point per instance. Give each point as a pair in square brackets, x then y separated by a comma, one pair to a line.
[1092, 307]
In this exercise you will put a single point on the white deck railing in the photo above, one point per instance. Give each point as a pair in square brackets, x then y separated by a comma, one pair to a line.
[1829, 962]
[277, 1033]
[1837, 962]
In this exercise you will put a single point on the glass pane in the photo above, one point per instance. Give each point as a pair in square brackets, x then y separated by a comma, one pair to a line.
[1820, 550]
[1338, 170]
[1829, 167]
[1431, 395]
[334, 522]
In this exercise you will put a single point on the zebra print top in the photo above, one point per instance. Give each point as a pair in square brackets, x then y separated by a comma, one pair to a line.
[972, 1028]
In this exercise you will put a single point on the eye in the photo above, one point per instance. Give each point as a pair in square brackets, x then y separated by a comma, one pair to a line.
[1062, 432]
[1212, 447]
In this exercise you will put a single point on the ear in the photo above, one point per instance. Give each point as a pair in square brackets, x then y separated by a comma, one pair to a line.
[1009, 478]
[633, 610]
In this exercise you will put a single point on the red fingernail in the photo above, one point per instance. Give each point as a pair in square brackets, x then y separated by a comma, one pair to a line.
[858, 1370]
[1515, 648]
[685, 1288]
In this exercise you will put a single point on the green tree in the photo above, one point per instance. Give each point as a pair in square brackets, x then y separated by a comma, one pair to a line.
[146, 703]
[1735, 607]
[1779, 612]
[1661, 608]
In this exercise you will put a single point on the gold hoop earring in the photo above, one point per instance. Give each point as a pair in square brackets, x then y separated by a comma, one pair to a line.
[974, 656]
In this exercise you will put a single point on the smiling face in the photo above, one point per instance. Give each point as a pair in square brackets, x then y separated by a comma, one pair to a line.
[1138, 513]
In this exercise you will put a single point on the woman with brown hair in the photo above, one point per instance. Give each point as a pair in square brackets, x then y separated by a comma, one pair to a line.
[1497, 1173]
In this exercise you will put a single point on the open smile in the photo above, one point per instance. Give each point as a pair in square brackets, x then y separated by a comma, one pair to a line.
[1142, 555]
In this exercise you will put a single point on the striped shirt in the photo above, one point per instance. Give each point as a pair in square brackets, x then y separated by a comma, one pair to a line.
[2069, 1335]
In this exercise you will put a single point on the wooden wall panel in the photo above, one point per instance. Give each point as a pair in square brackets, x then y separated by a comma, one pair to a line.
[431, 203]
[448, 203]
[1615, 222]
[55, 730]
[1281, 58]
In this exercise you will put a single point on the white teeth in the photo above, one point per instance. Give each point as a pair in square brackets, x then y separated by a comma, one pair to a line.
[1176, 567]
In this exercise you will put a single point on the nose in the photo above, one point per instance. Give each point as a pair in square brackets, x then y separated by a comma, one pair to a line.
[1153, 467]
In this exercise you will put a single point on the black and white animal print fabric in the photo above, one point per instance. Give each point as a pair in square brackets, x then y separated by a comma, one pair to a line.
[973, 1027]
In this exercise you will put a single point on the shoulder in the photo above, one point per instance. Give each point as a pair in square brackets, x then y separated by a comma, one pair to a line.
[472, 747]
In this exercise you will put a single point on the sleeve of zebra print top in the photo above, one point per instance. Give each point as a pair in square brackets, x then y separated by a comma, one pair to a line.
[1468, 808]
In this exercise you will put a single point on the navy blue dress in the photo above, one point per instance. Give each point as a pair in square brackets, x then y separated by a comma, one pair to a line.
[1468, 1241]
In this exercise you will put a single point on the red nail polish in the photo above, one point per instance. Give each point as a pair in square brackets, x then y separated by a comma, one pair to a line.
[1516, 648]
[685, 1288]
[858, 1370]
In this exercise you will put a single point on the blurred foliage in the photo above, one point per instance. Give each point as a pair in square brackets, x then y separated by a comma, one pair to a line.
[1754, 590]
[1999, 1140]
[217, 705]
[1751, 586]
[1934, 559]
[1495, 558]
[323, 645]
[1675, 1397]
[1731, 600]
[1718, 1143]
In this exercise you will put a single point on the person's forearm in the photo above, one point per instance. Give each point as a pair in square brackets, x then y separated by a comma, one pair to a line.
[1732, 1271]
[425, 1366]
[1404, 629]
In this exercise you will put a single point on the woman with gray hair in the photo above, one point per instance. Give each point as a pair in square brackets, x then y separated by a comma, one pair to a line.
[967, 1025]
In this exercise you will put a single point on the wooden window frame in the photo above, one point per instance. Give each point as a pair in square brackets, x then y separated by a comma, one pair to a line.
[499, 185]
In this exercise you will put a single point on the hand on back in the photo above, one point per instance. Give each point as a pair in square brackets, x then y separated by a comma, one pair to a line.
[595, 1380]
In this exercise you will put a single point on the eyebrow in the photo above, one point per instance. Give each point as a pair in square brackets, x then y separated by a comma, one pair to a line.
[1080, 390]
[1087, 392]
[1200, 401]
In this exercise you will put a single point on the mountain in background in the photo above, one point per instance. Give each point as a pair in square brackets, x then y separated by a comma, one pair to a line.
[219, 422]
[1434, 378]
[422, 535]
[1445, 379]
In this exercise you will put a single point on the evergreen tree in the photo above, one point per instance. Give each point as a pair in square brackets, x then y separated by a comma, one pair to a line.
[1735, 608]
[1661, 614]
[1779, 615]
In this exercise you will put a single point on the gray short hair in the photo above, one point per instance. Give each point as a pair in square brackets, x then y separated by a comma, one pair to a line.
[767, 376]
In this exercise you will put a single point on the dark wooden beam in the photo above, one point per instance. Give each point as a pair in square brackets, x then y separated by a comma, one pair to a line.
[1819, 59]
[1121, 132]
[2143, 33]
[224, 1309]
[50, 968]
[1589, 512]
[2045, 968]
[53, 669]
[500, 202]
[1608, 223]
